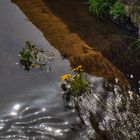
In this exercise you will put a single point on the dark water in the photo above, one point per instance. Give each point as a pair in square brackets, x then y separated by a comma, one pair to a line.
[31, 105]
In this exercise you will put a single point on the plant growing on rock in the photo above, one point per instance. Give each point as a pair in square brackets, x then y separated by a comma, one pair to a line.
[109, 8]
[33, 57]
[76, 84]
[101, 7]
[118, 12]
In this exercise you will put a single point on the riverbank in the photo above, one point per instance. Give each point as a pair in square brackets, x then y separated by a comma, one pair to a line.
[71, 44]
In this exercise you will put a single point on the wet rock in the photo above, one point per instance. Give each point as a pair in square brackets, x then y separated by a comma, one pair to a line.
[111, 112]
[133, 9]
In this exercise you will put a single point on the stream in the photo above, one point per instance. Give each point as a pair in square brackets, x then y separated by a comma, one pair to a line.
[31, 103]
[31, 106]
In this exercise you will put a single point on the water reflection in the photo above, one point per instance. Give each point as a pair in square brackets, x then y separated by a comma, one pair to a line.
[16, 107]
[37, 123]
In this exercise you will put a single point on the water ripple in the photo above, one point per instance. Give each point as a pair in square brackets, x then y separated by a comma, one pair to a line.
[36, 123]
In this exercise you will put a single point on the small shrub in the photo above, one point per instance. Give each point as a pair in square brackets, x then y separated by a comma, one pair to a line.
[75, 84]
[118, 12]
[101, 7]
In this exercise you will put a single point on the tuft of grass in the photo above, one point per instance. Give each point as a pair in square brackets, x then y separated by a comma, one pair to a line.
[118, 12]
[101, 7]
[109, 8]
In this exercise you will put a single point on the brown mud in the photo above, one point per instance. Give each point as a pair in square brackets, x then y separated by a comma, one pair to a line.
[99, 46]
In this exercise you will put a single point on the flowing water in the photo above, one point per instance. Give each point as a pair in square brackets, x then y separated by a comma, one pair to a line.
[31, 106]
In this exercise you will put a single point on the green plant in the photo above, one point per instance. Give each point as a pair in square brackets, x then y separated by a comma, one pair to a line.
[101, 7]
[76, 84]
[33, 57]
[118, 12]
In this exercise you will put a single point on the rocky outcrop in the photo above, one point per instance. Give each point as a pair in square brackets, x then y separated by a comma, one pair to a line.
[110, 112]
[133, 9]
